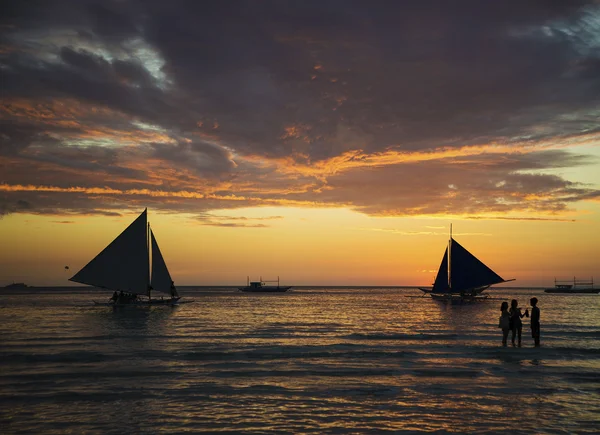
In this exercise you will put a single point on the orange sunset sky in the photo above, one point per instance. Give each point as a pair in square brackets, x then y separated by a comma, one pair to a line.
[323, 144]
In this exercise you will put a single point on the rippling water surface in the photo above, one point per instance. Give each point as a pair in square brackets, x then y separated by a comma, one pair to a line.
[317, 360]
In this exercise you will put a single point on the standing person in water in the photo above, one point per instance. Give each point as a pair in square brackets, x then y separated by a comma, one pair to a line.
[515, 320]
[504, 322]
[535, 321]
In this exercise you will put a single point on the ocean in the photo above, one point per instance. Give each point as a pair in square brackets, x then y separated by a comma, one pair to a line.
[314, 360]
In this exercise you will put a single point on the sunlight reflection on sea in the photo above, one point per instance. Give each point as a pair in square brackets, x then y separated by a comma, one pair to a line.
[316, 360]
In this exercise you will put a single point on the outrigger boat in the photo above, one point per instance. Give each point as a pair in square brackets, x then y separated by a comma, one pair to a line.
[462, 277]
[132, 266]
[259, 286]
[575, 286]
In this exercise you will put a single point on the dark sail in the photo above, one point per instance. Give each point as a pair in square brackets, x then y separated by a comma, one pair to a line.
[122, 265]
[161, 278]
[441, 280]
[468, 272]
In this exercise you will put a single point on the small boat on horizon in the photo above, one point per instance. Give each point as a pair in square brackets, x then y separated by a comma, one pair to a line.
[462, 277]
[132, 266]
[16, 286]
[259, 286]
[573, 287]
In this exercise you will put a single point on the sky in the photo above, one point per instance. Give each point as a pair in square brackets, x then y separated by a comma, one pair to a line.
[326, 142]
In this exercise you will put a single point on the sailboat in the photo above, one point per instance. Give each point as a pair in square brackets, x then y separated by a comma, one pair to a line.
[133, 267]
[462, 277]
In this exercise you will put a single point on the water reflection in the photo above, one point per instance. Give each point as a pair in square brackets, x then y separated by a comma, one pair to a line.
[356, 361]
[126, 320]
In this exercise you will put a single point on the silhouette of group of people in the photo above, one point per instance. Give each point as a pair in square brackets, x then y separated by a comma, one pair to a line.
[123, 297]
[510, 321]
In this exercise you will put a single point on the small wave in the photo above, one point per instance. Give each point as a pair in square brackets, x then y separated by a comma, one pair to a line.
[391, 336]
[62, 357]
[572, 351]
[266, 389]
[297, 352]
[74, 397]
[321, 371]
[447, 373]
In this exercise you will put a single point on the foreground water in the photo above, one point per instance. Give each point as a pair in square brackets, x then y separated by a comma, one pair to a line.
[315, 360]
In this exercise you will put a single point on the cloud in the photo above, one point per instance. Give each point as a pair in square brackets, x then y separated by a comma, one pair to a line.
[379, 107]
[470, 185]
[13, 206]
[419, 233]
[520, 218]
[234, 225]
[201, 157]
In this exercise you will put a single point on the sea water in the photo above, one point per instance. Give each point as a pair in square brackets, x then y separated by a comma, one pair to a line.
[313, 360]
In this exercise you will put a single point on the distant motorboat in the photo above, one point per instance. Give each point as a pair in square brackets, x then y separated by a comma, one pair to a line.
[260, 286]
[124, 266]
[16, 286]
[462, 277]
[575, 286]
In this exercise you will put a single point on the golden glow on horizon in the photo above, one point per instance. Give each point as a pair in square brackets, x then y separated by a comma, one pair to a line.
[304, 247]
[308, 242]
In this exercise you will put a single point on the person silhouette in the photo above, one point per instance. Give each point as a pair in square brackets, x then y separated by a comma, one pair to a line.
[515, 320]
[504, 322]
[535, 321]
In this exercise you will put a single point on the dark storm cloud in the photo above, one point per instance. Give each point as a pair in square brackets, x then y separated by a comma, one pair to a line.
[301, 82]
[415, 76]
[89, 63]
[201, 157]
[14, 137]
[411, 74]
[98, 160]
[87, 77]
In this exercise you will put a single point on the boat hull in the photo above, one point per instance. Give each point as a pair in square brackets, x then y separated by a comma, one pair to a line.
[264, 289]
[470, 292]
[573, 290]
[457, 299]
[144, 303]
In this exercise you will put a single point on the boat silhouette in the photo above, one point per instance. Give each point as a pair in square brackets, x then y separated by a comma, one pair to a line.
[462, 277]
[133, 267]
[260, 286]
[575, 286]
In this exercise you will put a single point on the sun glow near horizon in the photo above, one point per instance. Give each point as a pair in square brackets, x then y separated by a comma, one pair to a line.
[333, 246]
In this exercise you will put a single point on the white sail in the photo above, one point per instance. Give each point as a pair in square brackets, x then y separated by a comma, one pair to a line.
[161, 278]
[124, 264]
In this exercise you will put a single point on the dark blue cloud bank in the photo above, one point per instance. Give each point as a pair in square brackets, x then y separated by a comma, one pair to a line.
[266, 100]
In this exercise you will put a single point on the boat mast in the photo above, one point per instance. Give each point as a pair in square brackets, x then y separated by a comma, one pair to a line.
[450, 260]
[148, 287]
